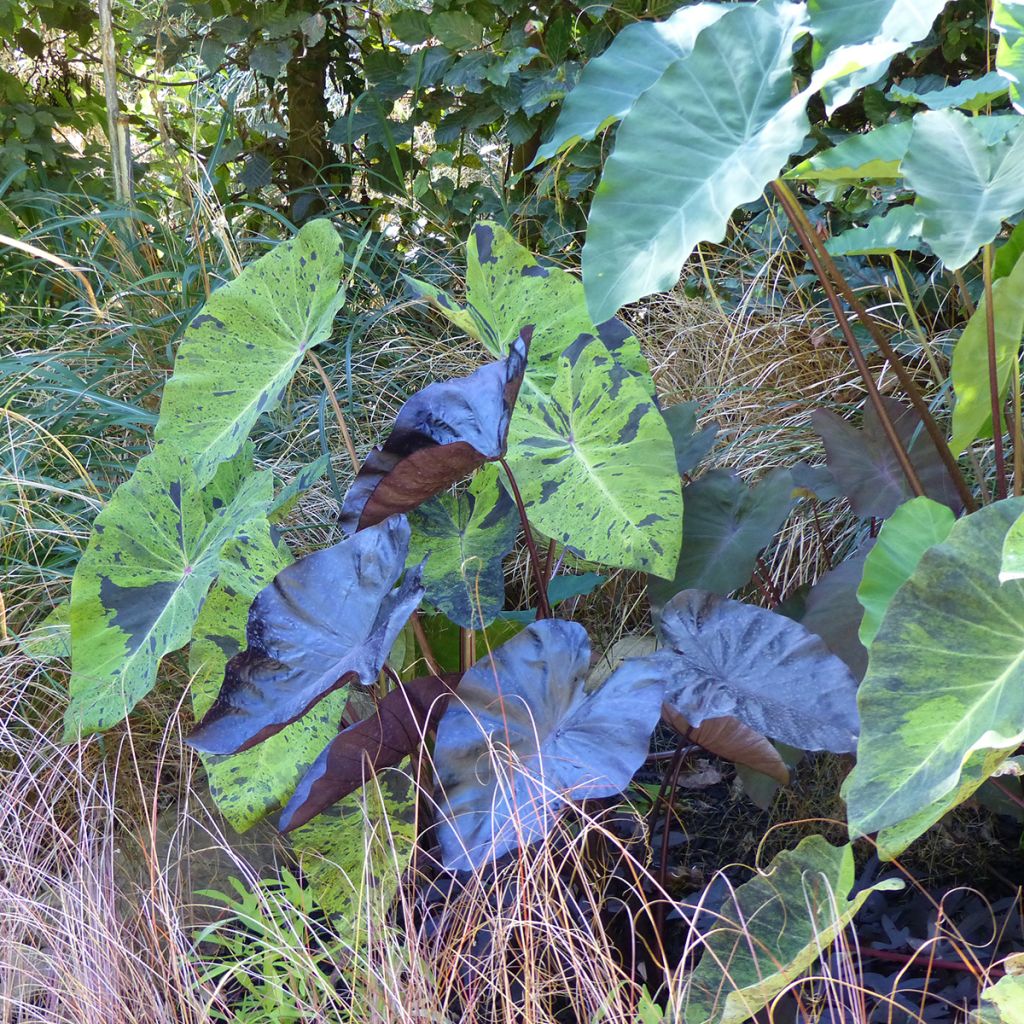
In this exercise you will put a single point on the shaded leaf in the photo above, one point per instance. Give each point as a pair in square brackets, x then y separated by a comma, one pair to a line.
[271, 58]
[463, 540]
[383, 740]
[965, 186]
[816, 481]
[441, 434]
[590, 464]
[522, 737]
[727, 524]
[898, 229]
[759, 788]
[912, 529]
[728, 658]
[972, 411]
[944, 692]
[691, 444]
[864, 464]
[771, 929]
[326, 620]
[1008, 21]
[138, 589]
[260, 325]
[611, 83]
[832, 611]
[51, 638]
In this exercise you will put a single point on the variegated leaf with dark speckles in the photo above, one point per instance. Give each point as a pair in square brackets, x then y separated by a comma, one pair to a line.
[240, 352]
[463, 539]
[250, 785]
[140, 585]
[729, 658]
[528, 697]
[327, 619]
[943, 699]
[596, 466]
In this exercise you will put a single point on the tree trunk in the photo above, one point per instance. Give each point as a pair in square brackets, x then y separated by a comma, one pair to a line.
[308, 151]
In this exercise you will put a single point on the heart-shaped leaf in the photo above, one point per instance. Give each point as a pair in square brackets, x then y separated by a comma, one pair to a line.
[463, 540]
[381, 741]
[327, 619]
[522, 736]
[865, 466]
[440, 435]
[729, 658]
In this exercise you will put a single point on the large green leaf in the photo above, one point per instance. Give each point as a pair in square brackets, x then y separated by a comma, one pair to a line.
[876, 155]
[1007, 999]
[1013, 553]
[972, 94]
[898, 229]
[139, 587]
[854, 43]
[611, 82]
[913, 528]
[965, 186]
[596, 466]
[463, 539]
[250, 785]
[695, 146]
[1008, 20]
[972, 413]
[945, 681]
[771, 929]
[240, 352]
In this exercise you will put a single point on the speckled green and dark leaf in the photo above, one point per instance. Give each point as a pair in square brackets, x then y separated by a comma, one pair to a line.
[440, 435]
[728, 658]
[771, 929]
[727, 525]
[326, 620]
[596, 466]
[250, 785]
[384, 739]
[240, 352]
[529, 696]
[138, 589]
[945, 681]
[865, 466]
[464, 538]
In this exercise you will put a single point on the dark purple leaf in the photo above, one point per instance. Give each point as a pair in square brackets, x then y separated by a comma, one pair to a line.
[442, 434]
[382, 740]
[327, 619]
[865, 467]
[833, 612]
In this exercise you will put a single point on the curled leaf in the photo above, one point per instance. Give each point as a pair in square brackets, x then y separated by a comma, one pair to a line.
[327, 619]
[442, 434]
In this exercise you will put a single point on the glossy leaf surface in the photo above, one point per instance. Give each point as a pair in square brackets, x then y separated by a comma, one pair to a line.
[944, 690]
[442, 434]
[327, 619]
[522, 736]
[729, 658]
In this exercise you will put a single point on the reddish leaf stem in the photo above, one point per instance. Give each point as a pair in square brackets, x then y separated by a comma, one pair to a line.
[539, 572]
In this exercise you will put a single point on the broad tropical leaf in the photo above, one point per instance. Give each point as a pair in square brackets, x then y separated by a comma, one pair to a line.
[1008, 21]
[972, 94]
[912, 529]
[876, 155]
[772, 928]
[522, 737]
[729, 658]
[240, 352]
[726, 527]
[695, 146]
[972, 412]
[1012, 567]
[327, 619]
[965, 186]
[898, 229]
[383, 740]
[833, 612]
[139, 587]
[691, 444]
[865, 466]
[945, 683]
[1006, 998]
[633, 62]
[440, 435]
[591, 464]
[461, 539]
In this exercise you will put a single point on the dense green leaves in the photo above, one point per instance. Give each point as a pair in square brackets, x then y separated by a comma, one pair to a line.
[912, 529]
[965, 186]
[594, 463]
[772, 928]
[944, 690]
[240, 352]
[695, 146]
[463, 539]
[139, 587]
[972, 412]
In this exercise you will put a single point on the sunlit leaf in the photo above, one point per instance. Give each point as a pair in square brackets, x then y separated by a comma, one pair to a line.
[1008, 21]
[972, 94]
[898, 229]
